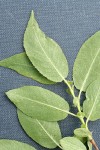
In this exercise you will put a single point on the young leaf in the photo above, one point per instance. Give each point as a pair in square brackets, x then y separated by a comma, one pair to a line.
[82, 132]
[14, 145]
[44, 53]
[39, 103]
[82, 139]
[45, 133]
[89, 145]
[23, 66]
[91, 105]
[86, 67]
[72, 143]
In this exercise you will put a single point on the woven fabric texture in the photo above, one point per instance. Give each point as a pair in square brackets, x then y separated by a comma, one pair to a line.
[70, 23]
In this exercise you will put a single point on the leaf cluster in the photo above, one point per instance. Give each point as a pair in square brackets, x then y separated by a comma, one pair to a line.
[38, 109]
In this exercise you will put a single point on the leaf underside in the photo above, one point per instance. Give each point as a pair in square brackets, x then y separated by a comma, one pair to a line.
[44, 53]
[86, 67]
[14, 145]
[39, 103]
[45, 62]
[23, 66]
[72, 143]
[82, 132]
[47, 134]
[91, 105]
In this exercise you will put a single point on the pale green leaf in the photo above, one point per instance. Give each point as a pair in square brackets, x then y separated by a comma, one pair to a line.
[72, 143]
[91, 105]
[23, 66]
[44, 53]
[82, 139]
[39, 103]
[82, 132]
[14, 145]
[45, 133]
[87, 67]
[89, 145]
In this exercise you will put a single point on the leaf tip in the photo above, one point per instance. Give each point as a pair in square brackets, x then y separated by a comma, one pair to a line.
[32, 13]
[6, 93]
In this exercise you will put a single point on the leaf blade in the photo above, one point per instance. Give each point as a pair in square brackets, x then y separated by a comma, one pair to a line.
[82, 132]
[82, 139]
[46, 56]
[23, 66]
[45, 133]
[42, 104]
[86, 68]
[14, 145]
[91, 105]
[72, 143]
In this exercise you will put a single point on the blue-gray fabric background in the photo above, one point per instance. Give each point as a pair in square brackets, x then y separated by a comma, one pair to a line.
[70, 23]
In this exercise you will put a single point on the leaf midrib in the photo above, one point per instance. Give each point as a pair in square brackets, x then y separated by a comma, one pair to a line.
[19, 65]
[48, 134]
[48, 57]
[86, 77]
[93, 104]
[41, 103]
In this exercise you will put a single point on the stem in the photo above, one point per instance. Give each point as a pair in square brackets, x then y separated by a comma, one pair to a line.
[82, 121]
[78, 106]
[80, 117]
[71, 90]
[94, 144]
[86, 124]
[79, 110]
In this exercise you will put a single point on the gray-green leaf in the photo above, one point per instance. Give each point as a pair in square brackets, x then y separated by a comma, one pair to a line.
[91, 105]
[72, 143]
[82, 132]
[14, 145]
[23, 66]
[39, 103]
[44, 53]
[87, 66]
[45, 133]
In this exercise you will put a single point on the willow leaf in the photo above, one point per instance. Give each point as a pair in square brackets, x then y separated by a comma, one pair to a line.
[14, 145]
[82, 132]
[23, 66]
[44, 53]
[87, 67]
[39, 103]
[91, 106]
[72, 143]
[45, 133]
